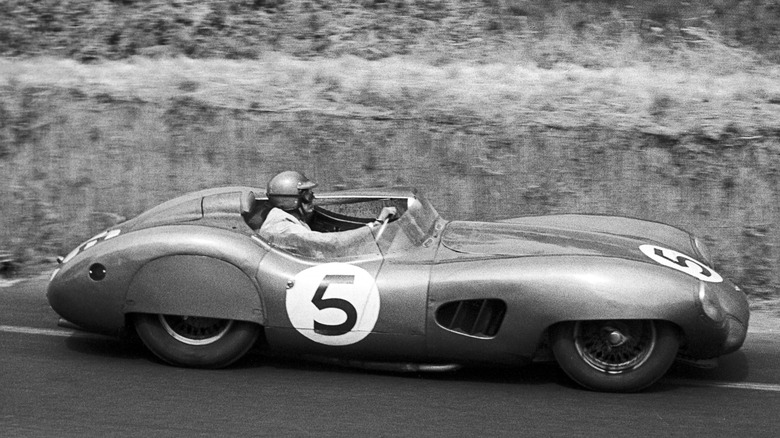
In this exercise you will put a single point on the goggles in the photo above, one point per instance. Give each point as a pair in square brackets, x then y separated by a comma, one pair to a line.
[306, 196]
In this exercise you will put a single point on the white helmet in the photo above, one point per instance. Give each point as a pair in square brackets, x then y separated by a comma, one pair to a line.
[286, 190]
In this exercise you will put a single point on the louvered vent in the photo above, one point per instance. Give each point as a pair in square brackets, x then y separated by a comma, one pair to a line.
[472, 317]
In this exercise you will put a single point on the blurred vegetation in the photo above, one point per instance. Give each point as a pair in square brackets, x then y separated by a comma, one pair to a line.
[84, 146]
[662, 110]
[548, 31]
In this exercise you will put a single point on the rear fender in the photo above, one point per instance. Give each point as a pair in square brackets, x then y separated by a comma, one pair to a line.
[193, 285]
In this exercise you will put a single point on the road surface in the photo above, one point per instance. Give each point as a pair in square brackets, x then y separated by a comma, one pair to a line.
[57, 382]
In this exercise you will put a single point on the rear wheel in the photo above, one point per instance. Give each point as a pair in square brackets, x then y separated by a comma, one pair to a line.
[193, 341]
[615, 356]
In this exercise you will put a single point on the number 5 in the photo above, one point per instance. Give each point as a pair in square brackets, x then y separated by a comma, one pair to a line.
[334, 303]
[683, 261]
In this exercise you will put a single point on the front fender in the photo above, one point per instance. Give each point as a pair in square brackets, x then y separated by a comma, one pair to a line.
[542, 291]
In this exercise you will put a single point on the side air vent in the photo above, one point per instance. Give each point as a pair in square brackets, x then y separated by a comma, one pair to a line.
[481, 318]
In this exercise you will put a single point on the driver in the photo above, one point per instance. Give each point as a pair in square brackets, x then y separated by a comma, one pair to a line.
[291, 195]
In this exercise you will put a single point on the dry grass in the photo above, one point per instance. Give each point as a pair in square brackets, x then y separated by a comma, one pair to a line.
[84, 143]
[632, 95]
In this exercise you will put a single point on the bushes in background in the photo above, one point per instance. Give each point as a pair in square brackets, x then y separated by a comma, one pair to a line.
[542, 31]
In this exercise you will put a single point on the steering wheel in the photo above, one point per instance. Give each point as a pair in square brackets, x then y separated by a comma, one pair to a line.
[382, 228]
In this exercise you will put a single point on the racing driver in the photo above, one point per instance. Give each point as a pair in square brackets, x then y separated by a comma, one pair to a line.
[290, 193]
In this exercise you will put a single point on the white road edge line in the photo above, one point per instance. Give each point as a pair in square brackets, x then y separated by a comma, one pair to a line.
[50, 332]
[730, 385]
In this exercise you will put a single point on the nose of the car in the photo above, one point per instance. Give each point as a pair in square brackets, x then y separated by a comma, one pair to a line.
[735, 304]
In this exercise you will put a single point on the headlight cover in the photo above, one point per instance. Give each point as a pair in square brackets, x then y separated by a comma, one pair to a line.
[710, 305]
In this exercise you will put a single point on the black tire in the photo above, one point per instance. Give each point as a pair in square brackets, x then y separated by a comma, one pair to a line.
[196, 341]
[615, 356]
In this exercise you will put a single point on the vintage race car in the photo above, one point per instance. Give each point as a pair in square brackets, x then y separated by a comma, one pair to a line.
[613, 300]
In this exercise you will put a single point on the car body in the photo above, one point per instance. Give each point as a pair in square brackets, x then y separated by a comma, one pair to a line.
[613, 300]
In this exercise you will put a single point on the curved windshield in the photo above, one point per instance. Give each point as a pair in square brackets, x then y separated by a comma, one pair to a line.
[412, 229]
[340, 231]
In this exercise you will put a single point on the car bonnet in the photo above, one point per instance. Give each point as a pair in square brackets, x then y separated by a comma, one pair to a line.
[507, 239]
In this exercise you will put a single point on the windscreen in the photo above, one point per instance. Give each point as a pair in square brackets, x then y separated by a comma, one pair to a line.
[343, 235]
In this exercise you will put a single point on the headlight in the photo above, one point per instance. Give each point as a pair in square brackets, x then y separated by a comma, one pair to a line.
[710, 304]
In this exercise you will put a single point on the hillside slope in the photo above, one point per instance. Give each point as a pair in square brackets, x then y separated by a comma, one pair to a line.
[596, 33]
[494, 108]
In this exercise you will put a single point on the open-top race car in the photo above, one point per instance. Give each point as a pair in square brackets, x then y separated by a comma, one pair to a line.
[613, 300]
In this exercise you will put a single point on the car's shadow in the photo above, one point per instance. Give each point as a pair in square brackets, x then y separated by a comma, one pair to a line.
[733, 368]
[107, 347]
[132, 349]
[531, 374]
[542, 373]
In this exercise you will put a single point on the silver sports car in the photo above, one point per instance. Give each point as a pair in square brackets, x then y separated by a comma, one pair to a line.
[614, 301]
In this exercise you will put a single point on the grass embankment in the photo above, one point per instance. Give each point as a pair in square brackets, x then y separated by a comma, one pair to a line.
[81, 145]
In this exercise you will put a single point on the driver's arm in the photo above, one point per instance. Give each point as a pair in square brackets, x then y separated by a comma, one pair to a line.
[386, 213]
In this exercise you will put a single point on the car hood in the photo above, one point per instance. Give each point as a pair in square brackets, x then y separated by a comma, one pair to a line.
[607, 236]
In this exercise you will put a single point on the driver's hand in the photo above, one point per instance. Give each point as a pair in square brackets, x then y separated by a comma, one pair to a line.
[387, 212]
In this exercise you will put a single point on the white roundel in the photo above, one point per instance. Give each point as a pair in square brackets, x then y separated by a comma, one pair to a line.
[681, 262]
[333, 304]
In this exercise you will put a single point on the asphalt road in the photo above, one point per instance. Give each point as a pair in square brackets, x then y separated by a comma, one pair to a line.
[56, 382]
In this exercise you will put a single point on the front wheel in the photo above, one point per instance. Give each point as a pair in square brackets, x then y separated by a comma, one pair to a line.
[615, 356]
[196, 341]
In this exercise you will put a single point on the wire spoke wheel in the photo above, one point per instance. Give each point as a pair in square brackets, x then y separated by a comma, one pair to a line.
[195, 341]
[615, 346]
[615, 355]
[195, 330]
